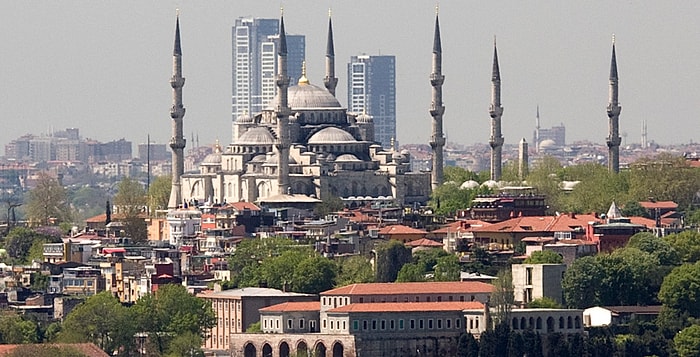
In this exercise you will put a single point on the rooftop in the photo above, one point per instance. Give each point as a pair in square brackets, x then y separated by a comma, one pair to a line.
[443, 287]
[410, 306]
[248, 292]
[293, 306]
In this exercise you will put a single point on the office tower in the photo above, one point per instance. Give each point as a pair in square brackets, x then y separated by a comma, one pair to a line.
[255, 43]
[613, 140]
[372, 90]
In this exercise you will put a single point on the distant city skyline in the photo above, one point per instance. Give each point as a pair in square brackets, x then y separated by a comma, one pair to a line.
[104, 68]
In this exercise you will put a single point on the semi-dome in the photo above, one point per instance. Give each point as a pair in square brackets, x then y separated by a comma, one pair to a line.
[256, 136]
[331, 135]
[347, 157]
[273, 160]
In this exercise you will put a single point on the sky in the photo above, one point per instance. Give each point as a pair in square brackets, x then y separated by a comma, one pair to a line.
[104, 66]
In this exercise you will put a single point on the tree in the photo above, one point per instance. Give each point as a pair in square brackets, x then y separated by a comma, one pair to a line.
[687, 341]
[660, 248]
[355, 269]
[410, 272]
[14, 329]
[679, 290]
[88, 201]
[544, 257]
[666, 177]
[24, 244]
[329, 204]
[450, 197]
[467, 345]
[130, 201]
[391, 256]
[503, 297]
[597, 187]
[314, 275]
[544, 176]
[171, 312]
[634, 209]
[580, 283]
[40, 350]
[687, 244]
[543, 303]
[47, 203]
[186, 344]
[159, 193]
[101, 320]
[447, 268]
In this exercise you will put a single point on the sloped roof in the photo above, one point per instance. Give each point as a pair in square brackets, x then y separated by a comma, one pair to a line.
[442, 287]
[244, 205]
[424, 242]
[658, 204]
[410, 306]
[461, 226]
[400, 229]
[293, 306]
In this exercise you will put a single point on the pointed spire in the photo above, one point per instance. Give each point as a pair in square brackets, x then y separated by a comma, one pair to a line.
[177, 51]
[437, 44]
[330, 50]
[303, 79]
[613, 61]
[283, 38]
[496, 72]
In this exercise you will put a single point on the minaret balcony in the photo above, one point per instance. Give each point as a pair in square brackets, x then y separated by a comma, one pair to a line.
[436, 79]
[177, 82]
[614, 110]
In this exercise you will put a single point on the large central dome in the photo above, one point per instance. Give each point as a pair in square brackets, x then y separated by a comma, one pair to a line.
[331, 135]
[309, 96]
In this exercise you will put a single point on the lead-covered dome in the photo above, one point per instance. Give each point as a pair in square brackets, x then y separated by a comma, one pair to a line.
[309, 96]
[331, 135]
[256, 136]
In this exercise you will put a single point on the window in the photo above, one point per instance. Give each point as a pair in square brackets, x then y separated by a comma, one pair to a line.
[417, 298]
[439, 298]
[332, 325]
[344, 325]
[364, 324]
[383, 324]
[458, 323]
[391, 325]
[355, 325]
[290, 324]
[427, 299]
[421, 325]
[374, 324]
[476, 322]
[401, 324]
[448, 322]
[439, 323]
[430, 324]
[413, 324]
[471, 324]
[301, 324]
[324, 323]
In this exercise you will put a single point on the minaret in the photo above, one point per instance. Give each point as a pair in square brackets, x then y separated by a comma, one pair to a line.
[283, 111]
[437, 138]
[177, 112]
[496, 110]
[330, 81]
[536, 138]
[644, 134]
[614, 108]
[523, 159]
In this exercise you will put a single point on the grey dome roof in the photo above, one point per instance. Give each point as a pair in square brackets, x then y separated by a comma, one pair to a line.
[308, 96]
[347, 157]
[215, 157]
[331, 135]
[256, 136]
[244, 118]
[274, 159]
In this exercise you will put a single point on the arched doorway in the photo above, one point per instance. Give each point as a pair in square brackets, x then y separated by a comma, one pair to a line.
[250, 351]
[267, 350]
[338, 349]
[302, 349]
[284, 349]
[550, 324]
[320, 350]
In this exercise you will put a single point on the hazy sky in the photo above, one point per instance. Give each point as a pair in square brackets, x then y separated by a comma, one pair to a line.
[104, 66]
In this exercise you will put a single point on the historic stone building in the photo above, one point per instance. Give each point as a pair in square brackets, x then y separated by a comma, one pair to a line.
[305, 142]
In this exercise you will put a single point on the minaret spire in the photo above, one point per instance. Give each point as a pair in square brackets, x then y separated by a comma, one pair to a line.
[177, 112]
[330, 81]
[496, 111]
[283, 139]
[437, 109]
[613, 140]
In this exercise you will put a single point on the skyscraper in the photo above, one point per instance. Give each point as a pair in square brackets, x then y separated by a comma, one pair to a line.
[255, 42]
[372, 90]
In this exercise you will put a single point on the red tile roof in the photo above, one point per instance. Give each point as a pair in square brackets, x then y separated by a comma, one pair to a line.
[424, 242]
[410, 306]
[560, 223]
[659, 204]
[443, 287]
[243, 205]
[400, 229]
[461, 226]
[87, 349]
[294, 306]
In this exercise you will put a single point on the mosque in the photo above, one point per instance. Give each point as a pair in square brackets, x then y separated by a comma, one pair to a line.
[305, 144]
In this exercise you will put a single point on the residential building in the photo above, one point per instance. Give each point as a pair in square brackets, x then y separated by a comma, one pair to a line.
[372, 90]
[535, 281]
[616, 315]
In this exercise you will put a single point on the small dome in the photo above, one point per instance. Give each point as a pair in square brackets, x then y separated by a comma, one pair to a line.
[364, 118]
[469, 184]
[490, 184]
[256, 136]
[272, 160]
[258, 158]
[244, 118]
[347, 157]
[215, 157]
[331, 135]
[547, 144]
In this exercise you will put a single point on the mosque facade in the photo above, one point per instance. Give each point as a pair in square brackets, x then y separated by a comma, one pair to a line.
[329, 151]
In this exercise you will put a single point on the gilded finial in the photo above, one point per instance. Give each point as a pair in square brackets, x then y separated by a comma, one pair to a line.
[437, 8]
[392, 143]
[177, 11]
[217, 147]
[303, 79]
[329, 12]
[613, 39]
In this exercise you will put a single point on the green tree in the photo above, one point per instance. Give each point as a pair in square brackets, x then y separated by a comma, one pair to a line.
[544, 257]
[467, 345]
[658, 247]
[687, 244]
[450, 197]
[24, 244]
[391, 256]
[634, 209]
[314, 275]
[687, 341]
[666, 177]
[411, 272]
[503, 297]
[581, 283]
[159, 193]
[14, 329]
[39, 350]
[679, 290]
[543, 303]
[88, 201]
[171, 312]
[254, 328]
[101, 320]
[186, 344]
[130, 201]
[47, 203]
[447, 268]
[597, 187]
[545, 176]
[355, 269]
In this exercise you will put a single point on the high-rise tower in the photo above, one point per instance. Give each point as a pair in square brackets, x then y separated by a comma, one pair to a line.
[614, 108]
[495, 111]
[283, 140]
[330, 81]
[437, 109]
[177, 112]
[372, 90]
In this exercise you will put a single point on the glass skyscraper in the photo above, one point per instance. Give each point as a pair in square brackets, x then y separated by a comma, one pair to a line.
[372, 89]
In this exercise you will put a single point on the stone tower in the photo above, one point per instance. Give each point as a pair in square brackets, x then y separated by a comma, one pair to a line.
[614, 109]
[495, 111]
[330, 81]
[437, 138]
[523, 159]
[283, 140]
[536, 137]
[177, 112]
